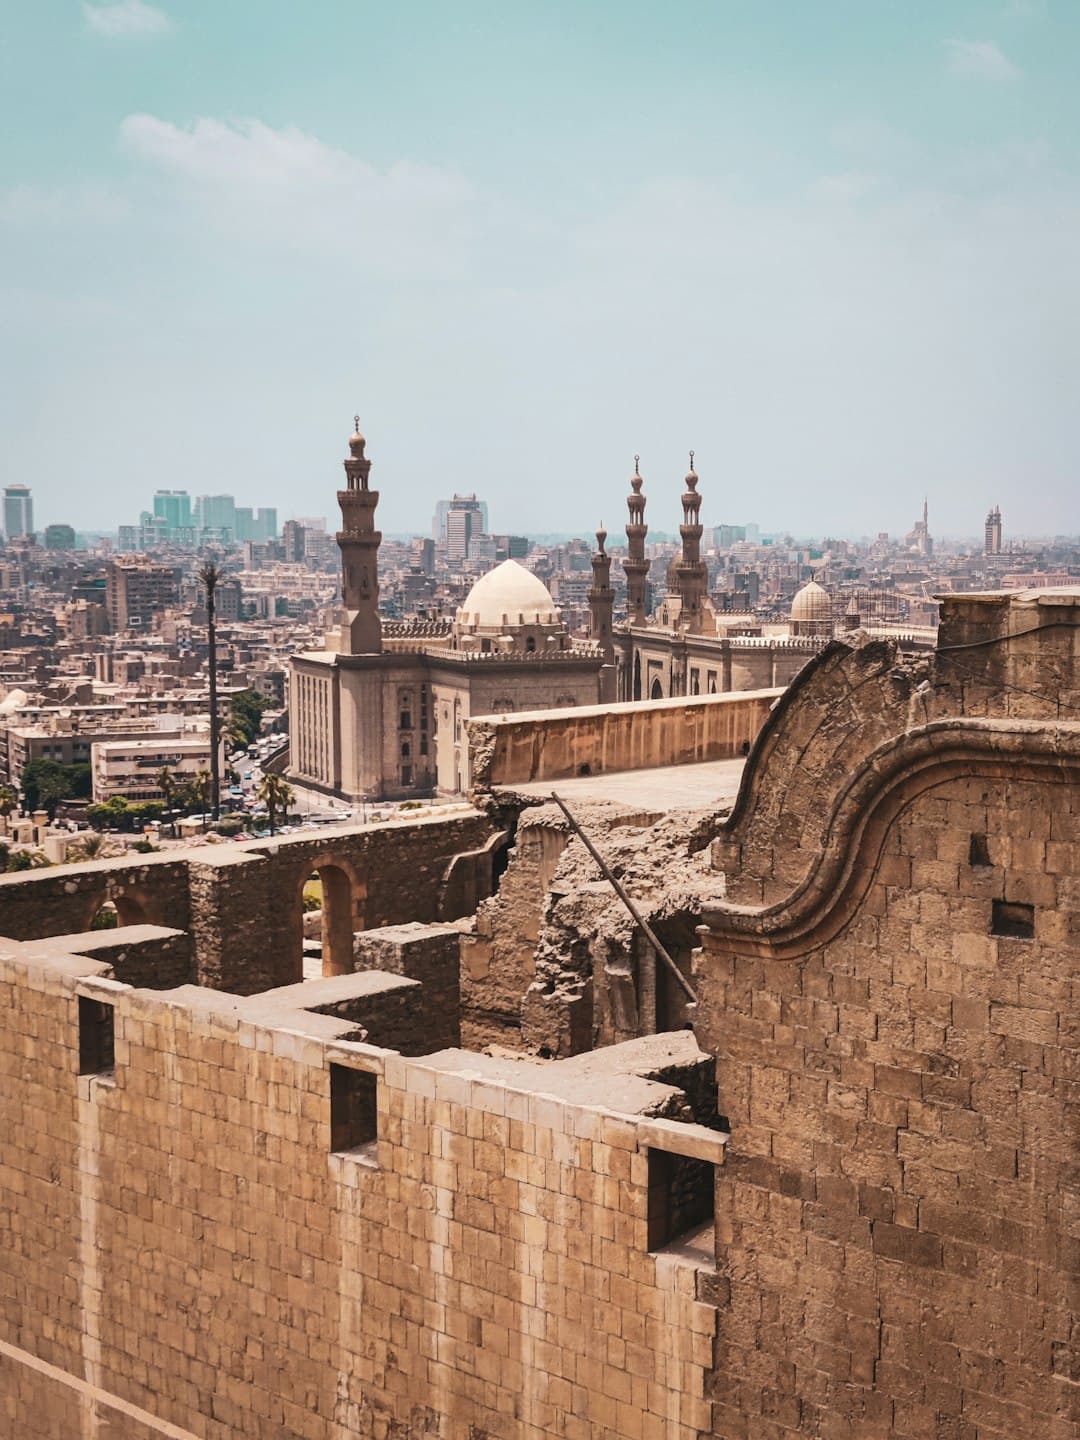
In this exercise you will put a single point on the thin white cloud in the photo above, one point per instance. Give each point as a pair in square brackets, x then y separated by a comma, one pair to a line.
[286, 187]
[81, 202]
[126, 17]
[981, 58]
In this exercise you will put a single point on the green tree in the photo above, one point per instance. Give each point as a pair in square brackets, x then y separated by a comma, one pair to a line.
[46, 782]
[197, 794]
[247, 708]
[8, 801]
[166, 783]
[28, 860]
[277, 795]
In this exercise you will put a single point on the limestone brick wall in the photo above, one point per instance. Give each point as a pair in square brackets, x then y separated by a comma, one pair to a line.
[186, 1244]
[897, 1216]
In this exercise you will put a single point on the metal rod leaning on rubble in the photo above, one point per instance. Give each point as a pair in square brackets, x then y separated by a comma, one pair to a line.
[639, 919]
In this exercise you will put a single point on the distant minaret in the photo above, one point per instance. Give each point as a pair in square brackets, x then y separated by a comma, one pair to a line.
[992, 544]
[358, 541]
[692, 572]
[635, 564]
[602, 599]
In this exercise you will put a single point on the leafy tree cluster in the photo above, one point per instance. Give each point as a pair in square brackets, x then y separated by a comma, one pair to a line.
[247, 710]
[46, 782]
[120, 813]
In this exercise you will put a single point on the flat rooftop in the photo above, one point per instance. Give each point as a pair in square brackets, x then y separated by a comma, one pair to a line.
[700, 786]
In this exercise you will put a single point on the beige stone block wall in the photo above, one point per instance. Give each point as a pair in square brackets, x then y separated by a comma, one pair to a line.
[896, 1211]
[184, 1241]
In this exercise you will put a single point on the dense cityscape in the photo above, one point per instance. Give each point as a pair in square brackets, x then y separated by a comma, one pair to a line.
[511, 928]
[104, 663]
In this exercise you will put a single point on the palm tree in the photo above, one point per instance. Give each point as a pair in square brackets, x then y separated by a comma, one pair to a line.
[8, 802]
[198, 793]
[277, 795]
[93, 847]
[209, 576]
[166, 783]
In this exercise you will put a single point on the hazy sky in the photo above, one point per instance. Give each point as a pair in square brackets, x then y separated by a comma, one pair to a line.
[834, 245]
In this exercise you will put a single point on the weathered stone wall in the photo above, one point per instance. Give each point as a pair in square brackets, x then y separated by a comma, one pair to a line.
[498, 952]
[148, 956]
[896, 1213]
[186, 1242]
[242, 904]
[892, 1004]
[64, 899]
[555, 744]
[431, 955]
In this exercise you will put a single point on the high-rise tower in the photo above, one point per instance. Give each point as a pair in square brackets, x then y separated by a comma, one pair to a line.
[602, 599]
[635, 564]
[692, 572]
[358, 541]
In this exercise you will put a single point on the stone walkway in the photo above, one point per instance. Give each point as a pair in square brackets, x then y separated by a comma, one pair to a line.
[672, 787]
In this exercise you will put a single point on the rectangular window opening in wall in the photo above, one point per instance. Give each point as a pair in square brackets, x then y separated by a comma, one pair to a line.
[354, 1116]
[979, 851]
[1013, 919]
[681, 1207]
[97, 1052]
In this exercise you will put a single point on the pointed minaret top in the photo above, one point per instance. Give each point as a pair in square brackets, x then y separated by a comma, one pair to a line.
[636, 480]
[356, 440]
[601, 538]
[691, 477]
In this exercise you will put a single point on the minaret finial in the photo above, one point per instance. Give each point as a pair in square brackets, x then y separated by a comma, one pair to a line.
[691, 459]
[356, 423]
[637, 464]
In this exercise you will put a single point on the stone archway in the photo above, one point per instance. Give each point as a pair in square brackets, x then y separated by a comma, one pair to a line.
[656, 691]
[128, 909]
[340, 895]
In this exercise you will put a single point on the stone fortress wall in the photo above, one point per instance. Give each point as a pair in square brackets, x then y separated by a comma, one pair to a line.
[843, 1205]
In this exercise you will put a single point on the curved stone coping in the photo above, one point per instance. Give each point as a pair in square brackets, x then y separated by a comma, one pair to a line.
[892, 775]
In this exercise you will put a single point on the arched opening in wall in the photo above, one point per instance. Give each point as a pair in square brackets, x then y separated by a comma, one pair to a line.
[712, 684]
[637, 677]
[328, 943]
[656, 691]
[107, 917]
[112, 911]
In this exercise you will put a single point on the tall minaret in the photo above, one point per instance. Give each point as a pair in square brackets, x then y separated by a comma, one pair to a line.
[358, 541]
[635, 564]
[602, 599]
[693, 573]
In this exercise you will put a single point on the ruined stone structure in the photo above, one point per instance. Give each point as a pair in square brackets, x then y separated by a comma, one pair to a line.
[379, 713]
[841, 1204]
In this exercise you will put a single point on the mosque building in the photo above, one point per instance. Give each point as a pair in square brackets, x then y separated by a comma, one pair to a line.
[685, 646]
[379, 712]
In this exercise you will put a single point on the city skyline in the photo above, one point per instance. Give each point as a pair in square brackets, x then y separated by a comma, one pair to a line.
[837, 261]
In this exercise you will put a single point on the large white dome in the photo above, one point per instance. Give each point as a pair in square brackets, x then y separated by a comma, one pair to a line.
[812, 603]
[507, 597]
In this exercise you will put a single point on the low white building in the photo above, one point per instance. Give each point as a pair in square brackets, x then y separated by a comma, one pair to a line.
[132, 767]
